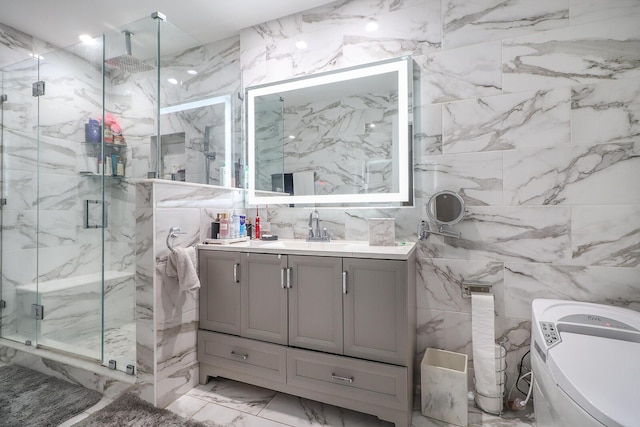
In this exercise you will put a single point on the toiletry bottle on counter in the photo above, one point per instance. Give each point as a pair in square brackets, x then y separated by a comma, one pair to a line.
[249, 228]
[257, 226]
[224, 226]
[215, 228]
[243, 227]
[235, 225]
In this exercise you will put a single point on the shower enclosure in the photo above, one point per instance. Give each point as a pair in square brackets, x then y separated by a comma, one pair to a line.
[75, 134]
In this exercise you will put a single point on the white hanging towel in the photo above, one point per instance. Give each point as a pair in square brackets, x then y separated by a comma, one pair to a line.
[182, 263]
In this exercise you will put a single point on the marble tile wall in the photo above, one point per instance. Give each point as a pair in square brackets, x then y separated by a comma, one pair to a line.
[529, 109]
[166, 317]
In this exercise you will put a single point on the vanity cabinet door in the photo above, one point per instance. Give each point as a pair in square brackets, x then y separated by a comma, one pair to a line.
[375, 310]
[220, 291]
[315, 303]
[264, 297]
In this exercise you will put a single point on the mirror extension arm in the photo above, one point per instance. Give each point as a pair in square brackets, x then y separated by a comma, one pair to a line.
[424, 231]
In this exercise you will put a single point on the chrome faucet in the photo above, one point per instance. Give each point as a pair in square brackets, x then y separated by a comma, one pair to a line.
[315, 235]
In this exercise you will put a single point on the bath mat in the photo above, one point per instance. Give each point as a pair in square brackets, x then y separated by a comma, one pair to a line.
[30, 398]
[131, 411]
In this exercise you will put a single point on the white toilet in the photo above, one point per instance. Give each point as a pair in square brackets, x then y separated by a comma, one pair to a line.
[586, 364]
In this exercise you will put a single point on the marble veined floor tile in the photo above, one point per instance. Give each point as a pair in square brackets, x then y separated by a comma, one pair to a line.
[187, 406]
[216, 415]
[235, 395]
[296, 411]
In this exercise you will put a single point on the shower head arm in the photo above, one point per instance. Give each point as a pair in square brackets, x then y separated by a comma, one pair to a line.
[127, 41]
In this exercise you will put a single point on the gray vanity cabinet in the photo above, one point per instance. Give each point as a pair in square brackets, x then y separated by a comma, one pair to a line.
[295, 300]
[220, 297]
[263, 297]
[315, 303]
[340, 330]
[375, 310]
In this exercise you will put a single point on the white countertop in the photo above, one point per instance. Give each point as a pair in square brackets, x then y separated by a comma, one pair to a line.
[342, 248]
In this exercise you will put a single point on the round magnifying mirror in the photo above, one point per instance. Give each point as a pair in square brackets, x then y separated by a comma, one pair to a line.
[445, 208]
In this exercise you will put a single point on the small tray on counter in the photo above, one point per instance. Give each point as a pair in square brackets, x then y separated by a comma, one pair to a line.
[225, 241]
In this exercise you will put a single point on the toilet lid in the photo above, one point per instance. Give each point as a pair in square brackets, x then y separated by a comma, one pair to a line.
[602, 375]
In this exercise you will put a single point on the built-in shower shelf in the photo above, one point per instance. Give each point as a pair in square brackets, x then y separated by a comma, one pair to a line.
[116, 147]
[96, 175]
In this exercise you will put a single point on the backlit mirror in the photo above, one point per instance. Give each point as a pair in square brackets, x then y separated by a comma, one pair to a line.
[196, 143]
[445, 208]
[341, 137]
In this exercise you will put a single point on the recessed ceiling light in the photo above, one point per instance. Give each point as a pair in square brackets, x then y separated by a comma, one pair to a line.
[301, 44]
[371, 26]
[292, 137]
[36, 56]
[192, 72]
[172, 81]
[86, 38]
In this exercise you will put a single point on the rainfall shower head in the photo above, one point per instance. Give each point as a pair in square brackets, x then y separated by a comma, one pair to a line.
[128, 62]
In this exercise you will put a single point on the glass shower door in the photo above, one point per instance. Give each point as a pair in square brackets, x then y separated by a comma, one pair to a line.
[70, 201]
[19, 216]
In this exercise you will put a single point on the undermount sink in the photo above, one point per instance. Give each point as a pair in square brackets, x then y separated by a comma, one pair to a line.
[304, 245]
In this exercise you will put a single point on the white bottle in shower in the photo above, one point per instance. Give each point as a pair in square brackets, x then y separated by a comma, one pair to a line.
[223, 175]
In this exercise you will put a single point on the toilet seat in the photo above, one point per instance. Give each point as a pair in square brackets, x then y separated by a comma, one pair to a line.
[584, 366]
[585, 359]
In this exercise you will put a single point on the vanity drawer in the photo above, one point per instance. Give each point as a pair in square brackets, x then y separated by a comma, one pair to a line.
[258, 358]
[349, 378]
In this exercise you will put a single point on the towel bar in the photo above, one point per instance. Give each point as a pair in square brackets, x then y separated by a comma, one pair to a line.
[173, 233]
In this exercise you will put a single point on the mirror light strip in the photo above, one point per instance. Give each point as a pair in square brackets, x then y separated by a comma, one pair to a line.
[400, 66]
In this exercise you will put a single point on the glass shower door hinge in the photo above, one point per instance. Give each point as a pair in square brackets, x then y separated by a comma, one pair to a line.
[37, 311]
[112, 364]
[37, 89]
[130, 369]
[3, 201]
[3, 303]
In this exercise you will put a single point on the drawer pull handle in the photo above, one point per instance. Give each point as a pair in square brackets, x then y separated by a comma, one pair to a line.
[289, 277]
[282, 278]
[342, 379]
[239, 356]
